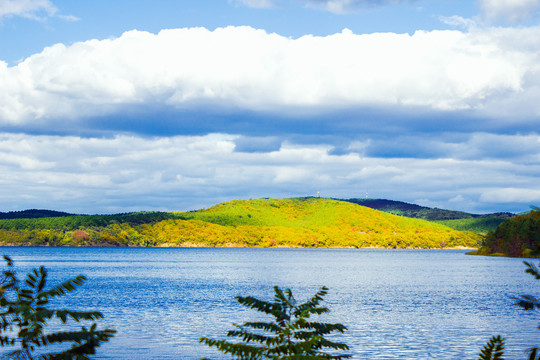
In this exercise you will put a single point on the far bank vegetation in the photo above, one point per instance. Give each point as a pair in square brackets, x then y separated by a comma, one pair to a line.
[516, 237]
[299, 222]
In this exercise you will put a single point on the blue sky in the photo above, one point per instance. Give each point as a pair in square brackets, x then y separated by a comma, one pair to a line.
[177, 105]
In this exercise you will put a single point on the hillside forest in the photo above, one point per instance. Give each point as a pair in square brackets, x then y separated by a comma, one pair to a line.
[298, 222]
[516, 237]
[457, 220]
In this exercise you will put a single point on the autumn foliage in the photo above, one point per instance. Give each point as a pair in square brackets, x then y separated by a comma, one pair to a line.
[517, 237]
[299, 222]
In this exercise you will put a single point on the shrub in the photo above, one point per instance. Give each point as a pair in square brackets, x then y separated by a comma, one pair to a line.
[290, 336]
[25, 312]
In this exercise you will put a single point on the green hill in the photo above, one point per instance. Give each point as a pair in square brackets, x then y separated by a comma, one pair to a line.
[480, 224]
[328, 223]
[32, 214]
[302, 222]
[410, 210]
[457, 220]
[516, 237]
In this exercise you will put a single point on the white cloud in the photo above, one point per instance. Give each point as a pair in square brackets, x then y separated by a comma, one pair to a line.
[188, 172]
[258, 4]
[457, 199]
[334, 6]
[491, 71]
[522, 147]
[459, 21]
[33, 9]
[512, 195]
[346, 6]
[510, 11]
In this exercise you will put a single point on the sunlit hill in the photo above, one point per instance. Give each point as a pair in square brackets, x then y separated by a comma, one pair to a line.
[299, 222]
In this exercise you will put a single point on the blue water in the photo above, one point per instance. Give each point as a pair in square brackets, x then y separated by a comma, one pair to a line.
[397, 304]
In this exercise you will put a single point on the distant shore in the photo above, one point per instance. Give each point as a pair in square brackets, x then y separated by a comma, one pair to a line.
[235, 245]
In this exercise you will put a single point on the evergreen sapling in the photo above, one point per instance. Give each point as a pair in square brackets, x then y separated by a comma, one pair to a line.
[291, 335]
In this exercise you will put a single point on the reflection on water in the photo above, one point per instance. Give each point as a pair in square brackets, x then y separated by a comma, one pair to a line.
[397, 304]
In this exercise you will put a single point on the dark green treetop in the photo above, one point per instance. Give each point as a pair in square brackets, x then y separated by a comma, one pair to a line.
[291, 335]
[493, 350]
[25, 311]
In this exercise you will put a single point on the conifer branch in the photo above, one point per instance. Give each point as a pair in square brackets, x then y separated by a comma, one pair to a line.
[289, 336]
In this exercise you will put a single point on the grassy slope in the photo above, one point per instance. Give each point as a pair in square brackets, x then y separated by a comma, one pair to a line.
[323, 222]
[305, 222]
[480, 225]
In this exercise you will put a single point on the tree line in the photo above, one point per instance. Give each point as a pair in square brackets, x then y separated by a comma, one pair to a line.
[516, 237]
[304, 222]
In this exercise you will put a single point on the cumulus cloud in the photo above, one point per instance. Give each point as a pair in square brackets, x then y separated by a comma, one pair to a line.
[492, 71]
[464, 146]
[126, 173]
[33, 9]
[510, 11]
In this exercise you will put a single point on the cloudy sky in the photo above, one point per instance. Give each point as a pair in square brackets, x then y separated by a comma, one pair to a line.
[114, 106]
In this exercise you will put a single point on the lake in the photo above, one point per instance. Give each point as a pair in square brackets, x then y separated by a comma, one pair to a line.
[397, 304]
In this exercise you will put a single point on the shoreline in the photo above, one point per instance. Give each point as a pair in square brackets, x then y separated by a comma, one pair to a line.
[239, 246]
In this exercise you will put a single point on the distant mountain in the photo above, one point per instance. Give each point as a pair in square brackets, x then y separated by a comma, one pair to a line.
[458, 220]
[32, 214]
[417, 211]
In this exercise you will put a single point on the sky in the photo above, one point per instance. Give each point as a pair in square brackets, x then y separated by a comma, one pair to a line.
[118, 106]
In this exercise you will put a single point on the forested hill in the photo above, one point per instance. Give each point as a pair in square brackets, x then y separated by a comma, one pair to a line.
[302, 222]
[420, 212]
[517, 237]
[411, 210]
[32, 214]
[458, 220]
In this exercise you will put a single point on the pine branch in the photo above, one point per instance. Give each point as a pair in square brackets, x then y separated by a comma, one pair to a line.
[242, 351]
[62, 289]
[16, 355]
[259, 305]
[312, 303]
[266, 326]
[533, 270]
[247, 336]
[533, 352]
[25, 314]
[324, 328]
[292, 336]
[493, 350]
[527, 302]
[78, 315]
